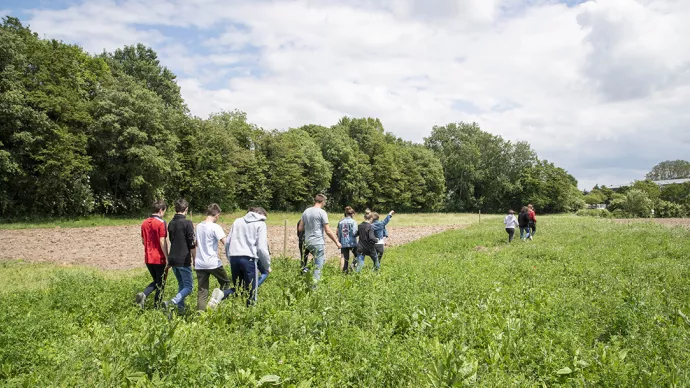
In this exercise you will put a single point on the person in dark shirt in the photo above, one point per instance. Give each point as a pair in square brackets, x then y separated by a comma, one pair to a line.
[304, 253]
[523, 222]
[182, 249]
[367, 243]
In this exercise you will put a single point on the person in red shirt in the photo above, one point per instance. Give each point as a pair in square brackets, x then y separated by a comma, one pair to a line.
[532, 220]
[153, 237]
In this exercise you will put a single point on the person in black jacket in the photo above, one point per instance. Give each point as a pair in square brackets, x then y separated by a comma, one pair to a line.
[304, 253]
[523, 222]
[182, 249]
[367, 243]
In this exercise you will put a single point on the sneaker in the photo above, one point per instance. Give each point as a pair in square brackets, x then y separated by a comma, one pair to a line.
[305, 269]
[530, 237]
[216, 297]
[140, 300]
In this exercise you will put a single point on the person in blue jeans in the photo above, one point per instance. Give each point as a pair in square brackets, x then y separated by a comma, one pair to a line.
[366, 244]
[182, 249]
[347, 235]
[314, 224]
[523, 223]
[246, 246]
[380, 231]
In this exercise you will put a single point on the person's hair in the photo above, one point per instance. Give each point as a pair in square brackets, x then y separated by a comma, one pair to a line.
[320, 198]
[158, 206]
[511, 211]
[374, 216]
[368, 211]
[368, 216]
[524, 209]
[180, 205]
[258, 210]
[530, 206]
[349, 211]
[213, 210]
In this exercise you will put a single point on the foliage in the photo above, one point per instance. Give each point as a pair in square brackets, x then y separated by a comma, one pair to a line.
[677, 193]
[589, 304]
[666, 209]
[670, 169]
[637, 203]
[650, 188]
[600, 213]
[108, 134]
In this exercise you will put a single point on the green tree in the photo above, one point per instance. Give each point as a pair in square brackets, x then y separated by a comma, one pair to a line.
[637, 203]
[670, 169]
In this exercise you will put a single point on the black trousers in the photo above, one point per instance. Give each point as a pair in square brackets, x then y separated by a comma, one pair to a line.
[157, 272]
[346, 255]
[511, 234]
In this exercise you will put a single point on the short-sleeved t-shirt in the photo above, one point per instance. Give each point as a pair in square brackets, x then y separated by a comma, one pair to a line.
[314, 220]
[208, 234]
[152, 229]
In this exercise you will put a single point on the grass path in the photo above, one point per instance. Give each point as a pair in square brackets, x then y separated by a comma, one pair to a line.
[588, 303]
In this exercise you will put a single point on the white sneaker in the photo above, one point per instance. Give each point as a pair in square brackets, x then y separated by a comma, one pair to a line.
[216, 297]
[530, 237]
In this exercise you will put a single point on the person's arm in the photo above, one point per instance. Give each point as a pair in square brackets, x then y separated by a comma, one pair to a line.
[388, 218]
[262, 247]
[340, 232]
[163, 233]
[330, 234]
[372, 236]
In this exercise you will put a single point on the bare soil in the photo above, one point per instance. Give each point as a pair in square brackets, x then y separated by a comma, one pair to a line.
[684, 222]
[119, 247]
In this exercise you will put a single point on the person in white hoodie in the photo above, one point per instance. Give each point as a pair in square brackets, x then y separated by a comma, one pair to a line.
[511, 223]
[246, 245]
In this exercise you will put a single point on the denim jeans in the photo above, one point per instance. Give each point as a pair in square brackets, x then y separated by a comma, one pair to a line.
[374, 257]
[244, 275]
[524, 232]
[185, 285]
[319, 252]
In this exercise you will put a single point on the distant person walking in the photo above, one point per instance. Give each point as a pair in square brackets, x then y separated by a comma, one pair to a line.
[182, 249]
[247, 246]
[380, 231]
[347, 235]
[153, 237]
[314, 223]
[511, 223]
[523, 222]
[532, 220]
[207, 263]
[304, 254]
[367, 243]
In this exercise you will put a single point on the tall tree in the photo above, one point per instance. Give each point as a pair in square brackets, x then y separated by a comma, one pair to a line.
[670, 169]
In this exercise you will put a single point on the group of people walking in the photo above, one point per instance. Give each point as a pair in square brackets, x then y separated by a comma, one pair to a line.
[246, 248]
[526, 221]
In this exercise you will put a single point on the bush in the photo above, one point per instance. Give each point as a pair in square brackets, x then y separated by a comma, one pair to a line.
[637, 203]
[620, 213]
[666, 209]
[601, 213]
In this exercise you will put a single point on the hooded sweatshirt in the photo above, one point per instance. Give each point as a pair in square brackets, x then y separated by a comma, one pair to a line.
[510, 221]
[249, 237]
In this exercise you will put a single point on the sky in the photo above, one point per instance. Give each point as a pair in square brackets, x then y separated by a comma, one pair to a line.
[600, 88]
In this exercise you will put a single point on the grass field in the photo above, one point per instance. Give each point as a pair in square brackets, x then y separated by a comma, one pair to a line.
[274, 218]
[588, 303]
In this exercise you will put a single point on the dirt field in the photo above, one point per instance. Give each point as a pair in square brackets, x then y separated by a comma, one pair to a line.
[119, 247]
[685, 222]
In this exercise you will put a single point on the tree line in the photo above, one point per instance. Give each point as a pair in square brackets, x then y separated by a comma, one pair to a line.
[110, 133]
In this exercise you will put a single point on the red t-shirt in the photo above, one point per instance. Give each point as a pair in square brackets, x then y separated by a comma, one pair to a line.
[532, 215]
[152, 230]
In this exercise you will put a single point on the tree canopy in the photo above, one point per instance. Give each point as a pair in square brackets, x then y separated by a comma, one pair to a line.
[110, 133]
[670, 169]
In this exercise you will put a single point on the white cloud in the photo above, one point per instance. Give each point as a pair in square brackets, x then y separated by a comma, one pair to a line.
[600, 89]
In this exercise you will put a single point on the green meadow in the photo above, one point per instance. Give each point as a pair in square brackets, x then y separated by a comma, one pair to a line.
[587, 303]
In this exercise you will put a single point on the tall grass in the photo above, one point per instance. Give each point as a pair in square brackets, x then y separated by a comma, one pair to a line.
[588, 303]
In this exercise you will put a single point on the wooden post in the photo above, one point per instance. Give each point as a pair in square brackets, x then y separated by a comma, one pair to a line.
[285, 240]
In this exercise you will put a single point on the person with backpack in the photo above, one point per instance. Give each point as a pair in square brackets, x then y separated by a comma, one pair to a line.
[523, 222]
[347, 235]
[511, 223]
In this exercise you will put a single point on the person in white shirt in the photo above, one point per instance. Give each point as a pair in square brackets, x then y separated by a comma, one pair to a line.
[511, 223]
[207, 263]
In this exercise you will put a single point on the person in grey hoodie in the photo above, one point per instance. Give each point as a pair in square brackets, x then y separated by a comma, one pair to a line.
[246, 246]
